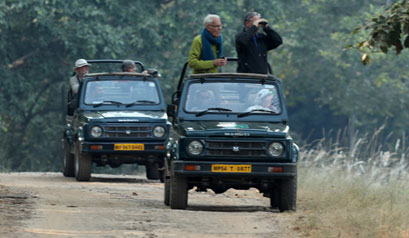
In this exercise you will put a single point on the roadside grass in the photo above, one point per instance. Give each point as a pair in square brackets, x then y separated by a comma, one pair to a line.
[362, 191]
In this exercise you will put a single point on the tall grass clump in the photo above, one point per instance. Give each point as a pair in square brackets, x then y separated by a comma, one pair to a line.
[359, 190]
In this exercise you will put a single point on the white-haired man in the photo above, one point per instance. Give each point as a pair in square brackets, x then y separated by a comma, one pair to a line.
[206, 52]
[81, 68]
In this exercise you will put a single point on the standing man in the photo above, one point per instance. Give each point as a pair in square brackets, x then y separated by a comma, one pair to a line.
[206, 52]
[81, 68]
[252, 46]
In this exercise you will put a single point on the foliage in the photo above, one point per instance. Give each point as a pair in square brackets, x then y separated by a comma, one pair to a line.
[388, 30]
[324, 87]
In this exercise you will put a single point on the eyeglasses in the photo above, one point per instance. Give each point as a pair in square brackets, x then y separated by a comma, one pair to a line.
[216, 26]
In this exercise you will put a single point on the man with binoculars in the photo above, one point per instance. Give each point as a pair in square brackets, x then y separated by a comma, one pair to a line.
[252, 47]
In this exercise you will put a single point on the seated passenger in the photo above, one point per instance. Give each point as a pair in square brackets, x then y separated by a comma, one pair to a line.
[94, 93]
[202, 100]
[266, 100]
[128, 66]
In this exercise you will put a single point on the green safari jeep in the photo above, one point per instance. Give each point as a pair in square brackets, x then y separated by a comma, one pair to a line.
[116, 118]
[230, 131]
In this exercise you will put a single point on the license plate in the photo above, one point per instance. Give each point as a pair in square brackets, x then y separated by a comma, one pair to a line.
[129, 147]
[231, 168]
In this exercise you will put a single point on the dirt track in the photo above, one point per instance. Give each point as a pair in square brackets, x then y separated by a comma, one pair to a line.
[50, 205]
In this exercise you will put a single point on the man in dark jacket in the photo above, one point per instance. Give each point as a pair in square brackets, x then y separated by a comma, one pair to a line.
[252, 46]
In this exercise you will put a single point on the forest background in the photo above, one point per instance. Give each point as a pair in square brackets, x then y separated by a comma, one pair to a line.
[329, 93]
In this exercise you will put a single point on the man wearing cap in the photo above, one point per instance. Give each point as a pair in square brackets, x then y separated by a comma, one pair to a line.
[266, 100]
[252, 47]
[206, 52]
[81, 68]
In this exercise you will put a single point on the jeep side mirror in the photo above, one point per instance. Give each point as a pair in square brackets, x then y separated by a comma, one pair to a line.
[171, 110]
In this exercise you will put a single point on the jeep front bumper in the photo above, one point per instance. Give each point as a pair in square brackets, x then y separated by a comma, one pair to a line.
[135, 148]
[236, 169]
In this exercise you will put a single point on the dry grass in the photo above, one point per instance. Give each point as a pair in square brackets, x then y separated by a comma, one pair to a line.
[357, 192]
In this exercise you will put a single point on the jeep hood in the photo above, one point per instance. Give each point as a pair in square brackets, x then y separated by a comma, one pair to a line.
[236, 129]
[126, 116]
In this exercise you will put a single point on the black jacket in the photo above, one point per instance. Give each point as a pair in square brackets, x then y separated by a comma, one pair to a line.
[252, 57]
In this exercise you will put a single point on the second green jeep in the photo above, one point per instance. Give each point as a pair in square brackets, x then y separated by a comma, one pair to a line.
[119, 118]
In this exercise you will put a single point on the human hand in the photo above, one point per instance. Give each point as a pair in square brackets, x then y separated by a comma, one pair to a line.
[219, 62]
[224, 61]
[261, 22]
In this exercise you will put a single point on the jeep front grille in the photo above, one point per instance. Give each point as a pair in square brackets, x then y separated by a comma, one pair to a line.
[235, 148]
[128, 132]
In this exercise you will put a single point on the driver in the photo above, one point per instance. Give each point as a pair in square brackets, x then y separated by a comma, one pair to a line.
[95, 93]
[202, 100]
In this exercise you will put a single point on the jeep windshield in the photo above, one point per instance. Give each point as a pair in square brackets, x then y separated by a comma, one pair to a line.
[121, 92]
[244, 98]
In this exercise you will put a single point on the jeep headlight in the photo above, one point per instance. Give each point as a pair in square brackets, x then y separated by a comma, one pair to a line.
[275, 149]
[159, 131]
[96, 131]
[195, 147]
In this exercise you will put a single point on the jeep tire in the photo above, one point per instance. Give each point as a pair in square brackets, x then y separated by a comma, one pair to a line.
[287, 195]
[83, 164]
[68, 161]
[152, 171]
[162, 173]
[167, 191]
[274, 198]
[178, 192]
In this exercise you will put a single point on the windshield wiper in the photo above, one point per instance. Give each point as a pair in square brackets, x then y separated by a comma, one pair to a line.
[107, 102]
[244, 114]
[212, 109]
[140, 101]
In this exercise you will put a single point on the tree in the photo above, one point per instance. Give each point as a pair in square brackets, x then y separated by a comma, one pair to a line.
[324, 87]
[388, 30]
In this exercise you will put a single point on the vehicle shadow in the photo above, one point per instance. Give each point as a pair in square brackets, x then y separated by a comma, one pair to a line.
[120, 179]
[224, 208]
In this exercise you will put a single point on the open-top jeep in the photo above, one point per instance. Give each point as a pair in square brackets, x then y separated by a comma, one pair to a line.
[116, 118]
[230, 131]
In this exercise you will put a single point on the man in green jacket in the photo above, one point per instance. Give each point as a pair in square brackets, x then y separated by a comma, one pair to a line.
[206, 52]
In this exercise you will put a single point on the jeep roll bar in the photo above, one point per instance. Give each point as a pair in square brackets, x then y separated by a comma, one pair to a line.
[109, 61]
[182, 75]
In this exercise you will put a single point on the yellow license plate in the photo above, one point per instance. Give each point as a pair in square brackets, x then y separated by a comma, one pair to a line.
[231, 168]
[129, 147]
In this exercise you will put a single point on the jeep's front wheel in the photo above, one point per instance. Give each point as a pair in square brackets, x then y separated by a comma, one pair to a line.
[178, 192]
[166, 199]
[152, 171]
[287, 195]
[83, 164]
[274, 198]
[161, 171]
[68, 161]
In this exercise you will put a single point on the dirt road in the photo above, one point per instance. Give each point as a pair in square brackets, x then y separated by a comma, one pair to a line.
[50, 205]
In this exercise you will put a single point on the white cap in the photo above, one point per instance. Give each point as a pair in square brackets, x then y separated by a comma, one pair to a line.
[80, 63]
[261, 95]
